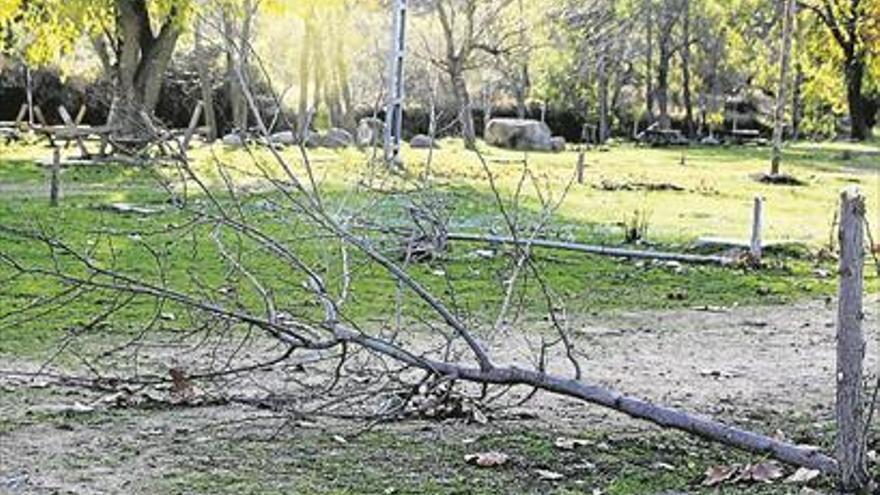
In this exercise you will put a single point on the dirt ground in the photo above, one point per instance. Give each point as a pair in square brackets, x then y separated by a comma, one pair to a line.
[734, 363]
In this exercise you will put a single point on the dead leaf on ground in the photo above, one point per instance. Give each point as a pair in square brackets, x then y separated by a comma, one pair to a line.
[569, 443]
[181, 387]
[487, 459]
[716, 475]
[547, 475]
[803, 475]
[762, 472]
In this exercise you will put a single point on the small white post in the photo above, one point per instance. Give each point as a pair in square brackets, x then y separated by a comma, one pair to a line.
[756, 245]
[851, 441]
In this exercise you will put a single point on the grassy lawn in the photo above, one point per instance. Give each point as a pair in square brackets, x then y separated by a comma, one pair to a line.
[715, 201]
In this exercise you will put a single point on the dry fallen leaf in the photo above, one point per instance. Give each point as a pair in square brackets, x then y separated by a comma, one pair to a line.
[763, 472]
[716, 475]
[549, 475]
[181, 387]
[803, 475]
[569, 443]
[487, 459]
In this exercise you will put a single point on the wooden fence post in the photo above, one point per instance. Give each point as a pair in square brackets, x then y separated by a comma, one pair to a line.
[582, 159]
[55, 171]
[756, 244]
[851, 441]
[191, 129]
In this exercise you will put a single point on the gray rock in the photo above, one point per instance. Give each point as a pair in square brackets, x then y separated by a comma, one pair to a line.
[369, 132]
[710, 141]
[521, 134]
[287, 138]
[233, 140]
[557, 143]
[337, 138]
[421, 141]
[333, 138]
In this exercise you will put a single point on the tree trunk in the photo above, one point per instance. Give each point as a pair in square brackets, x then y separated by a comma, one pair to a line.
[521, 90]
[344, 98]
[663, 86]
[797, 103]
[779, 114]
[855, 71]
[603, 94]
[142, 60]
[233, 85]
[463, 103]
[304, 70]
[649, 69]
[244, 49]
[523, 81]
[686, 70]
[206, 83]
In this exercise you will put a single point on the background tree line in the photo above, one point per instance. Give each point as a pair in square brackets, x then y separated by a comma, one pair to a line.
[697, 65]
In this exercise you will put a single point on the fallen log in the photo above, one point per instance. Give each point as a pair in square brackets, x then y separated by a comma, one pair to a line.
[707, 428]
[598, 250]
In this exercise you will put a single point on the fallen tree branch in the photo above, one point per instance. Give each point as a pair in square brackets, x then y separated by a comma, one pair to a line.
[599, 250]
[809, 457]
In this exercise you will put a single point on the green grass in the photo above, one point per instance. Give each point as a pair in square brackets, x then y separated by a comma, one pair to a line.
[716, 202]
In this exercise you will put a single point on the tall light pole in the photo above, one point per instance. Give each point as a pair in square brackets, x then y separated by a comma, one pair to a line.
[394, 108]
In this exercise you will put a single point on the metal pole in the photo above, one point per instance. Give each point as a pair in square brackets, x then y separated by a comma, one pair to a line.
[394, 108]
[29, 89]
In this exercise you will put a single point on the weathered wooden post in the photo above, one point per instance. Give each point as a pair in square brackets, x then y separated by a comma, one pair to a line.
[581, 164]
[54, 172]
[191, 128]
[851, 441]
[756, 250]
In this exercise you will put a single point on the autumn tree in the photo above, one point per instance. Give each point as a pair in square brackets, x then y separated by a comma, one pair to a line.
[134, 40]
[854, 27]
[470, 28]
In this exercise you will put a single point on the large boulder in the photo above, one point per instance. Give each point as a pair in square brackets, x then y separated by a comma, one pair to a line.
[423, 142]
[337, 138]
[334, 138]
[287, 138]
[369, 132]
[520, 134]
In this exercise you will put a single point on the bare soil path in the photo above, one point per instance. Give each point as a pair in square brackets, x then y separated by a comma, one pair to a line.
[762, 362]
